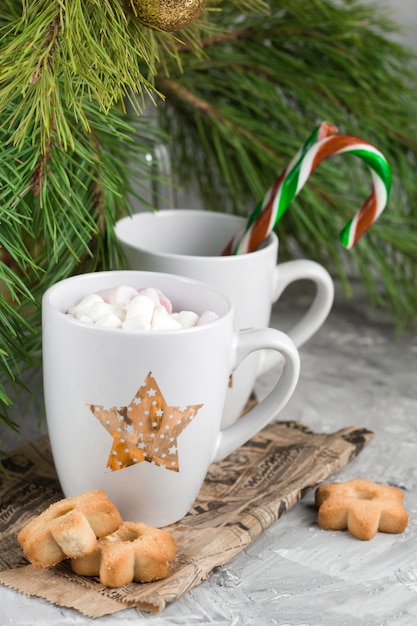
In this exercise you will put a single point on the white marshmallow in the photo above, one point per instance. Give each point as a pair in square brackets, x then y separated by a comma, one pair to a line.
[141, 305]
[118, 296]
[109, 320]
[136, 322]
[132, 309]
[83, 307]
[151, 293]
[102, 308]
[85, 319]
[162, 321]
[158, 297]
[162, 310]
[207, 318]
[187, 319]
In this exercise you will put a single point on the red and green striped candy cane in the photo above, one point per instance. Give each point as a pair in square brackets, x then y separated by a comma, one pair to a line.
[286, 187]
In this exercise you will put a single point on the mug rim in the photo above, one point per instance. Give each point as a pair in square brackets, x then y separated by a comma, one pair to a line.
[270, 241]
[53, 290]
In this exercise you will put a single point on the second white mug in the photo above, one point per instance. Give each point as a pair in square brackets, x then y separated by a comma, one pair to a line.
[189, 243]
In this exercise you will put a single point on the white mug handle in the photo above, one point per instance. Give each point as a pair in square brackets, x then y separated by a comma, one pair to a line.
[302, 269]
[246, 342]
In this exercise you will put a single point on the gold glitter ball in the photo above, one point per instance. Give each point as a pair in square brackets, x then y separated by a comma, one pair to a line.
[168, 15]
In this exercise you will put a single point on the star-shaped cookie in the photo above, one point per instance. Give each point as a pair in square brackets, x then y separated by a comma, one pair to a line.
[361, 506]
[145, 430]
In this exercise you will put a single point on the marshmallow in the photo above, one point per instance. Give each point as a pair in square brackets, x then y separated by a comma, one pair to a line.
[157, 297]
[187, 319]
[141, 305]
[163, 301]
[83, 307]
[85, 319]
[136, 322]
[207, 318]
[162, 321]
[118, 296]
[109, 320]
[132, 309]
[151, 293]
[103, 308]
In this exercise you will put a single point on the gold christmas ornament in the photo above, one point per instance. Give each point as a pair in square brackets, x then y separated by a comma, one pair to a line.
[168, 15]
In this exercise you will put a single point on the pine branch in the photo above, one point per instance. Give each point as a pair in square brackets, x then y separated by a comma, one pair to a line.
[58, 214]
[67, 70]
[243, 87]
[96, 49]
[238, 116]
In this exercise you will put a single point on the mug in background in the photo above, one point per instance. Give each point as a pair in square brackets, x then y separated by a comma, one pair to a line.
[188, 243]
[138, 413]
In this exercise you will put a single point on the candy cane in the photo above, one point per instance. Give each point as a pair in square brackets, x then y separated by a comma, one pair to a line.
[325, 129]
[288, 185]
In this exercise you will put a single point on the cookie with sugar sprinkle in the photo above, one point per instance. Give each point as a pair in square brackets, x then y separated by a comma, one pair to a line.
[362, 507]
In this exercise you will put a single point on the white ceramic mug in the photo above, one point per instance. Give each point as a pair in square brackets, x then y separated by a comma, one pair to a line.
[138, 413]
[189, 243]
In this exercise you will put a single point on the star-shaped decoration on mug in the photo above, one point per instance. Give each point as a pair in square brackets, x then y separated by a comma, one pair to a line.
[146, 430]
